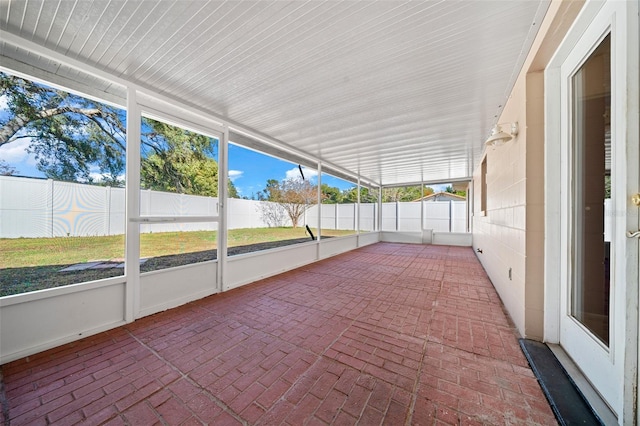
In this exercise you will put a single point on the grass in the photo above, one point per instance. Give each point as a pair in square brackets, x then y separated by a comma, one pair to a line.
[29, 264]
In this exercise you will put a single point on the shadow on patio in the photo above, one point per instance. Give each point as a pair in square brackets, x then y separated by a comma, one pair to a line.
[386, 334]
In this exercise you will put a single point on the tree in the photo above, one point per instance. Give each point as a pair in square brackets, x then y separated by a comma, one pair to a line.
[330, 194]
[68, 133]
[232, 191]
[451, 190]
[405, 193]
[178, 160]
[270, 191]
[293, 194]
[6, 169]
[72, 136]
[401, 193]
[351, 196]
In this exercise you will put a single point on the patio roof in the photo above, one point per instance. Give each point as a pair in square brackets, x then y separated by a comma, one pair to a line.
[396, 92]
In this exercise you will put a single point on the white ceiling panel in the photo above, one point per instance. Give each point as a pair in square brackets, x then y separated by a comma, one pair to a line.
[397, 92]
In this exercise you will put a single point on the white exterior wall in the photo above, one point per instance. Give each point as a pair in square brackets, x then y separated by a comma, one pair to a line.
[509, 234]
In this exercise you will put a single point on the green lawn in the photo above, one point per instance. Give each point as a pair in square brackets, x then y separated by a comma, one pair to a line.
[24, 252]
[29, 264]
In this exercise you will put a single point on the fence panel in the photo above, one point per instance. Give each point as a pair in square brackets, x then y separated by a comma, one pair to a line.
[409, 217]
[248, 214]
[389, 222]
[436, 215]
[25, 207]
[117, 211]
[458, 216]
[328, 218]
[311, 216]
[165, 204]
[79, 210]
[39, 208]
[368, 217]
[346, 216]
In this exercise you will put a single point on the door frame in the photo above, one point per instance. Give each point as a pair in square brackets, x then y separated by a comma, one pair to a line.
[601, 363]
[622, 18]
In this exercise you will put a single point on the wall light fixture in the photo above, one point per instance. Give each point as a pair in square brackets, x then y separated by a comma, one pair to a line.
[499, 137]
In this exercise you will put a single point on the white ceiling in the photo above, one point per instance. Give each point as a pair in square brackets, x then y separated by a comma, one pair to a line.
[398, 92]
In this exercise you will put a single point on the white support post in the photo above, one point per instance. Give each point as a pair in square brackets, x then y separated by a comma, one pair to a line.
[469, 207]
[379, 216]
[319, 236]
[132, 239]
[422, 206]
[223, 178]
[357, 209]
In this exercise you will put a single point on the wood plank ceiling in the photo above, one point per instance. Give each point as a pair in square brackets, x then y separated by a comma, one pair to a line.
[398, 92]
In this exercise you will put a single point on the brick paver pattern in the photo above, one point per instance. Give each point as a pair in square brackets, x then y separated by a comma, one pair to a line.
[390, 333]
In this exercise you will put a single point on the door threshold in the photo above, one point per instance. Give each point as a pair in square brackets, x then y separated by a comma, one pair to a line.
[558, 380]
[598, 405]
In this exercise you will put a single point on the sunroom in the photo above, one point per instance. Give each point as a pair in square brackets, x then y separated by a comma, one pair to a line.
[208, 149]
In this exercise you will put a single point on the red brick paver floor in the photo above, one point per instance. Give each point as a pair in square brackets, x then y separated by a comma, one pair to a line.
[388, 334]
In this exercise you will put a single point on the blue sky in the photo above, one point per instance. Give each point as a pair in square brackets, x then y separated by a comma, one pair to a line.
[248, 169]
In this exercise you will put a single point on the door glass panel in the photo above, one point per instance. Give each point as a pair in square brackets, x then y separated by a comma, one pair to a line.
[592, 189]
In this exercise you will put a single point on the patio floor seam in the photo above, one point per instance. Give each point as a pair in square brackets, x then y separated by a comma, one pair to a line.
[184, 376]
[416, 384]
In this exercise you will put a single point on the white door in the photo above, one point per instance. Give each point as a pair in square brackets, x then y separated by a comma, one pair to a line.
[600, 169]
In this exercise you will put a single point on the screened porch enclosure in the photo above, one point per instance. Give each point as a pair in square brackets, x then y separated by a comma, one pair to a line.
[381, 100]
[404, 122]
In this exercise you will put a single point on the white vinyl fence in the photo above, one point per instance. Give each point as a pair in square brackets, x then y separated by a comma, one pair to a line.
[439, 216]
[37, 208]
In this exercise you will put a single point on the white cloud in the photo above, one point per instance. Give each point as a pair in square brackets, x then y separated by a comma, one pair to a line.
[235, 174]
[4, 102]
[16, 152]
[308, 173]
[439, 188]
[97, 177]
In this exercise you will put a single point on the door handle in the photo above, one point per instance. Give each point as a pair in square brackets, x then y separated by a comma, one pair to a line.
[636, 201]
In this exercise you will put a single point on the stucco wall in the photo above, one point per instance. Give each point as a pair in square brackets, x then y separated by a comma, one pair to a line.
[510, 233]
